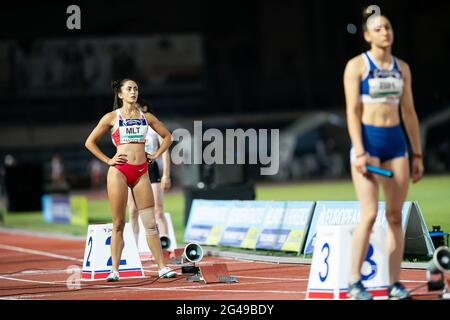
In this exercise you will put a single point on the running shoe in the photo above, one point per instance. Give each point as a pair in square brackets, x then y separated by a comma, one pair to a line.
[398, 292]
[357, 291]
[113, 276]
[167, 272]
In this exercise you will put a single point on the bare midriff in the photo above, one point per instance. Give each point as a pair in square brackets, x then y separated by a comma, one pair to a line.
[380, 114]
[135, 152]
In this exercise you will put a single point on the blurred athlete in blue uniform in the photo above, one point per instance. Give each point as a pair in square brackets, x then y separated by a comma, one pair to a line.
[377, 90]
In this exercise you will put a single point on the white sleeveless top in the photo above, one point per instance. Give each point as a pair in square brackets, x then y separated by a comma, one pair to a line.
[151, 141]
[152, 145]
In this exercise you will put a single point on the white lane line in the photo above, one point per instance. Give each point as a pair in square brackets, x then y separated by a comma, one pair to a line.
[44, 272]
[140, 288]
[32, 272]
[200, 289]
[38, 252]
[147, 270]
[414, 281]
[278, 279]
[25, 280]
[243, 291]
[196, 288]
[23, 297]
[29, 233]
[243, 277]
[192, 288]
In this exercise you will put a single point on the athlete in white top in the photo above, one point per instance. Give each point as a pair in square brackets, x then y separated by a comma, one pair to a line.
[159, 183]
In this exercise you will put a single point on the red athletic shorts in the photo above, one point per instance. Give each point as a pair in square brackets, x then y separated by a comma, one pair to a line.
[132, 171]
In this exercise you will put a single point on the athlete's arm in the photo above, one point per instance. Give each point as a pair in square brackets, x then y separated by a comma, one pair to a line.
[163, 132]
[411, 123]
[165, 179]
[352, 78]
[103, 126]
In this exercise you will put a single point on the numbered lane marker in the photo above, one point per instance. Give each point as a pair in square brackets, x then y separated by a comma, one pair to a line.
[97, 254]
[330, 268]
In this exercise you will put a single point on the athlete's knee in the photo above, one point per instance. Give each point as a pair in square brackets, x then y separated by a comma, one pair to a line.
[148, 220]
[394, 217]
[369, 220]
[118, 224]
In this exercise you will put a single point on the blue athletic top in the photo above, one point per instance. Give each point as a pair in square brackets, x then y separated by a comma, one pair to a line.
[381, 85]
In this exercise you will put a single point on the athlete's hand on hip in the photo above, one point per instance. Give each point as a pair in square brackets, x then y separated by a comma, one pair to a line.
[119, 158]
[417, 169]
[150, 157]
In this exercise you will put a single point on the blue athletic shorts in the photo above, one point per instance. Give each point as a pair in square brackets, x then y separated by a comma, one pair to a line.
[385, 143]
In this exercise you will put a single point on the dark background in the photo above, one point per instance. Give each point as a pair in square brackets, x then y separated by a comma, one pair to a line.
[259, 55]
[259, 58]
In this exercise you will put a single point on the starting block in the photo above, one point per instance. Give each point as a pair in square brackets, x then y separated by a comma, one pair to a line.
[331, 263]
[213, 273]
[97, 260]
[145, 252]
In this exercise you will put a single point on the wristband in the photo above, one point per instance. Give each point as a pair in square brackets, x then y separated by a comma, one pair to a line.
[417, 155]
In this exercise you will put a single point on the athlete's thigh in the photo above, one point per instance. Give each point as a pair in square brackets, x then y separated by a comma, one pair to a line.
[132, 210]
[396, 188]
[366, 189]
[117, 192]
[142, 192]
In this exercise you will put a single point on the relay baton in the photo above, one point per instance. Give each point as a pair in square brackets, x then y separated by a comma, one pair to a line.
[382, 172]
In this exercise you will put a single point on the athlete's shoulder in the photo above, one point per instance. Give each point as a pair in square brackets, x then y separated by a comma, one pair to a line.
[356, 61]
[109, 117]
[111, 114]
[355, 65]
[403, 65]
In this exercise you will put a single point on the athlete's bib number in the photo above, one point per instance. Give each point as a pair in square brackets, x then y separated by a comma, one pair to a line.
[131, 134]
[379, 87]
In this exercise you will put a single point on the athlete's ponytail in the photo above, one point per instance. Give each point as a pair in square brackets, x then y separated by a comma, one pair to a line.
[115, 84]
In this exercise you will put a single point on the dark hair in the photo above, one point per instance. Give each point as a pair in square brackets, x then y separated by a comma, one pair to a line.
[116, 85]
